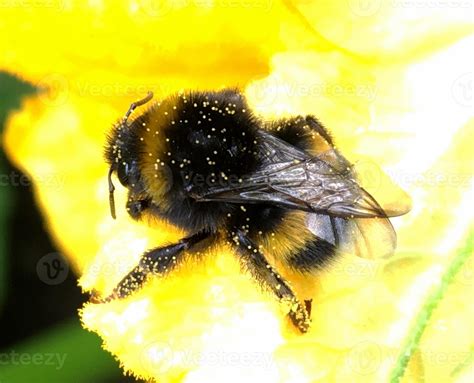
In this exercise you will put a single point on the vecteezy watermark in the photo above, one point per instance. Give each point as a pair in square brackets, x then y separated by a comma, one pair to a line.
[88, 89]
[461, 90]
[161, 8]
[160, 357]
[365, 358]
[48, 4]
[14, 358]
[17, 179]
[431, 179]
[265, 5]
[466, 274]
[52, 269]
[108, 269]
[430, 4]
[54, 89]
[367, 8]
[264, 93]
[364, 8]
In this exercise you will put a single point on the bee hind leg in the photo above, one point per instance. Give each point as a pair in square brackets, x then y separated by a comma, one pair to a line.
[263, 272]
[158, 261]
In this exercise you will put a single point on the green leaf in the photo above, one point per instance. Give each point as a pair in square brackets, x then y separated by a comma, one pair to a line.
[414, 335]
[67, 353]
[11, 92]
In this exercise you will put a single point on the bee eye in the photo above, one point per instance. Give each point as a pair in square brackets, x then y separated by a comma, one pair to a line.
[123, 171]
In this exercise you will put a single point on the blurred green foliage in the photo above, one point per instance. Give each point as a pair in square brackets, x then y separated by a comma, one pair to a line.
[11, 92]
[65, 354]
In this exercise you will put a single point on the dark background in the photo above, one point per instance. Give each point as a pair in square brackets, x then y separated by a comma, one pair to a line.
[38, 320]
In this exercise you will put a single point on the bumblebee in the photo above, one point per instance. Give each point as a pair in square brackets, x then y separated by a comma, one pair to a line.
[205, 163]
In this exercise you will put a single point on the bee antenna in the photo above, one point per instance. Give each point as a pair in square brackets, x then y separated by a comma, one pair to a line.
[135, 104]
[111, 192]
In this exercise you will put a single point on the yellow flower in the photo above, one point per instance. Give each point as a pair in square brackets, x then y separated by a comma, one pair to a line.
[390, 79]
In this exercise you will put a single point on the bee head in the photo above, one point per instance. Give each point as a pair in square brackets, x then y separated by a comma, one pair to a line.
[121, 154]
[129, 176]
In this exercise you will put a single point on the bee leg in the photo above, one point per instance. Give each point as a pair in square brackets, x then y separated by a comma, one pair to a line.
[308, 305]
[157, 261]
[269, 278]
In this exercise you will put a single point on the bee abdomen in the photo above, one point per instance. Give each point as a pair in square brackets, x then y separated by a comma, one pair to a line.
[314, 255]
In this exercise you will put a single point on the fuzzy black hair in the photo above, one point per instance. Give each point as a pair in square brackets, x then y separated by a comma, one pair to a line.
[297, 131]
[212, 141]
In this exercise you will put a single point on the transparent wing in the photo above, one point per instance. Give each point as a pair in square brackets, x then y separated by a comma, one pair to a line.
[288, 177]
[369, 238]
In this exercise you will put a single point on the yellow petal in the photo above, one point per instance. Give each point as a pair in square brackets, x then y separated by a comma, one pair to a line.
[96, 45]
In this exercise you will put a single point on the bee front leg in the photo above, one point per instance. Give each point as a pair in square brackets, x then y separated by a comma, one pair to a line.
[157, 261]
[269, 278]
